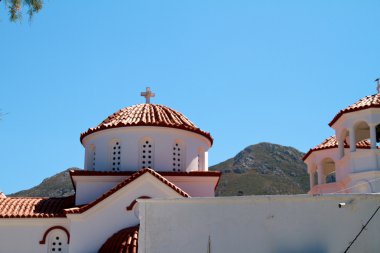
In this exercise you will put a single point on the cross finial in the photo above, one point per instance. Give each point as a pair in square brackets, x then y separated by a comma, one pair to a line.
[378, 85]
[147, 94]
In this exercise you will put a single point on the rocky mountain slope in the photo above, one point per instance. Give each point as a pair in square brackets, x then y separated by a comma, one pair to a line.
[58, 185]
[261, 169]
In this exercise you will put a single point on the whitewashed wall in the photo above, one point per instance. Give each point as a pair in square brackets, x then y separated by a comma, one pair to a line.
[264, 224]
[92, 228]
[130, 137]
[24, 235]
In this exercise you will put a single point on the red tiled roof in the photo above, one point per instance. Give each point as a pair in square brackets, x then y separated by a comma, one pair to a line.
[34, 207]
[332, 142]
[364, 103]
[124, 241]
[124, 183]
[147, 115]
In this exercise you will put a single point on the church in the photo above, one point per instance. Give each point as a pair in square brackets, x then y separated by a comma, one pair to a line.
[148, 154]
[349, 161]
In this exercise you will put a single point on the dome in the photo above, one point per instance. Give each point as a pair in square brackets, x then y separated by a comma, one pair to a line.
[125, 240]
[147, 115]
[332, 142]
[364, 103]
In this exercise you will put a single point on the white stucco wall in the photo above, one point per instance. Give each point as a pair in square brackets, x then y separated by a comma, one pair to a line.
[92, 228]
[89, 188]
[163, 140]
[24, 235]
[265, 224]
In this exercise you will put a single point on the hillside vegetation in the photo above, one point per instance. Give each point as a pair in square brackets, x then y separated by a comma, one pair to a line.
[263, 169]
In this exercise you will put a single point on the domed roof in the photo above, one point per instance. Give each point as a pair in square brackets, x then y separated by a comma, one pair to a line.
[364, 103]
[147, 115]
[126, 240]
[332, 142]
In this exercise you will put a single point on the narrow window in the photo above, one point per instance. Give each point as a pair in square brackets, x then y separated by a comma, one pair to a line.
[146, 154]
[177, 157]
[91, 158]
[116, 156]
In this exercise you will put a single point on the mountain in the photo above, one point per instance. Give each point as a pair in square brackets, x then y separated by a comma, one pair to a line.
[58, 185]
[263, 169]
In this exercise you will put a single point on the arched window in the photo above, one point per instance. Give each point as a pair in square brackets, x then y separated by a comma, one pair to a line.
[57, 239]
[146, 153]
[362, 132]
[91, 157]
[329, 172]
[115, 155]
[57, 242]
[178, 156]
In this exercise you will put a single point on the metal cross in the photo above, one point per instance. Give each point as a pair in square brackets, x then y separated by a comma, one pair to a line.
[147, 94]
[378, 85]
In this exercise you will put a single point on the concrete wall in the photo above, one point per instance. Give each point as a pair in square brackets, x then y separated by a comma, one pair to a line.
[273, 224]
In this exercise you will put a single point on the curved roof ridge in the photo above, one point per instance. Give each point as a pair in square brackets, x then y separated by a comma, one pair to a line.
[332, 142]
[372, 101]
[125, 240]
[147, 115]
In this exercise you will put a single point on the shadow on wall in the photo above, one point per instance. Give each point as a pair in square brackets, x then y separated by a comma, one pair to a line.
[312, 248]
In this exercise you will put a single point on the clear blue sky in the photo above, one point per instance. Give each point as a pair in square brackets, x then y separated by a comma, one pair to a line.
[247, 71]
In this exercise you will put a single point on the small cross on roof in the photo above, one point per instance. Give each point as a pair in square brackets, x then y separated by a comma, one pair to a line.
[378, 85]
[148, 94]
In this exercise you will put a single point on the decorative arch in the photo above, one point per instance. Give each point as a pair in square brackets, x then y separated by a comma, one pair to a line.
[43, 241]
[362, 131]
[329, 170]
[134, 202]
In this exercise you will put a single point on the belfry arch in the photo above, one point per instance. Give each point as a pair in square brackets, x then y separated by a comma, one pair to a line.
[329, 170]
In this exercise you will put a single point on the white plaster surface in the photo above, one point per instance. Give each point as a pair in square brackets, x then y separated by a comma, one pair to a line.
[24, 235]
[264, 224]
[130, 138]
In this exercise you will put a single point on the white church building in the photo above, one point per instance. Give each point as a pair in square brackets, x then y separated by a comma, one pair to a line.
[349, 161]
[146, 188]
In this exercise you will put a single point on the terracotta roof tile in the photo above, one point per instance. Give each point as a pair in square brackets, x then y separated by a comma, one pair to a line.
[125, 241]
[34, 207]
[332, 142]
[147, 115]
[364, 103]
[124, 183]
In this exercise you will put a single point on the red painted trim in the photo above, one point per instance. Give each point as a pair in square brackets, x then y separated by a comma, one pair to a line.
[133, 203]
[123, 184]
[207, 135]
[43, 241]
